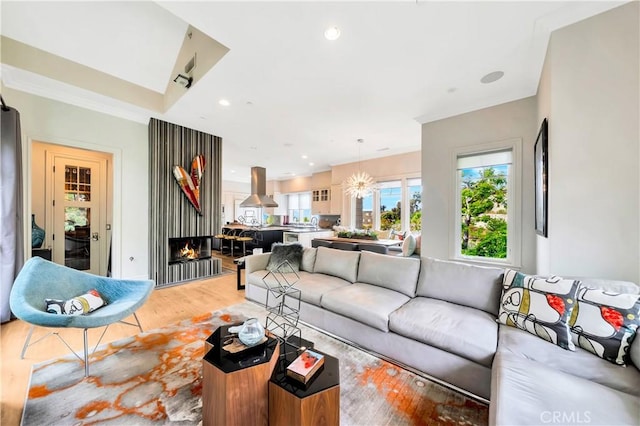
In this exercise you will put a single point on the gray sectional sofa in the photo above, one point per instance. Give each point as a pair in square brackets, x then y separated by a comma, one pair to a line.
[439, 317]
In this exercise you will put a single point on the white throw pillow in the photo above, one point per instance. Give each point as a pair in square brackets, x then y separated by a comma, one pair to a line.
[408, 245]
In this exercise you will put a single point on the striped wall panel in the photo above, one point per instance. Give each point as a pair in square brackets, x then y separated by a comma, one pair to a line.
[171, 214]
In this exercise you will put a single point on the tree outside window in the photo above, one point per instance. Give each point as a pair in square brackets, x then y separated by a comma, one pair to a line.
[414, 187]
[391, 205]
[484, 212]
[483, 182]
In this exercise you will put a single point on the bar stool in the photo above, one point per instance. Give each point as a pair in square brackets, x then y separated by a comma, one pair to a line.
[244, 238]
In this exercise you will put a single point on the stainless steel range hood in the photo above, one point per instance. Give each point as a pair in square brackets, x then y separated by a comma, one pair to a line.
[258, 197]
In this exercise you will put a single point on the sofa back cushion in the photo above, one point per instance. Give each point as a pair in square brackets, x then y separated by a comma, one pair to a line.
[478, 287]
[392, 272]
[339, 263]
[308, 259]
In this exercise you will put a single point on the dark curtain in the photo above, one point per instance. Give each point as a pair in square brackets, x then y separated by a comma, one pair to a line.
[11, 225]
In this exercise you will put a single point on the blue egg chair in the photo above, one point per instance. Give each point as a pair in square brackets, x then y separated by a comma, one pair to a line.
[41, 279]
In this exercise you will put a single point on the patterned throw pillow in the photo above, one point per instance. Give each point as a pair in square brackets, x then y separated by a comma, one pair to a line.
[79, 305]
[285, 258]
[540, 306]
[605, 323]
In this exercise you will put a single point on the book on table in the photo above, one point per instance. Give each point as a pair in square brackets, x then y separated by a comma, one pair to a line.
[305, 366]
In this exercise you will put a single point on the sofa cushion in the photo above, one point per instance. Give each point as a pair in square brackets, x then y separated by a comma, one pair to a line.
[525, 392]
[580, 363]
[468, 285]
[541, 306]
[395, 273]
[267, 279]
[611, 285]
[308, 259]
[605, 323]
[313, 286]
[339, 263]
[366, 303]
[464, 331]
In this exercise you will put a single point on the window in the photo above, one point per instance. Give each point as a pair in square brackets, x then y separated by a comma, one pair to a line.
[299, 207]
[394, 205]
[487, 197]
[364, 212]
[414, 191]
[390, 205]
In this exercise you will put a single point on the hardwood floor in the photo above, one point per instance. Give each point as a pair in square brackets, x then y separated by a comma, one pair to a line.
[165, 306]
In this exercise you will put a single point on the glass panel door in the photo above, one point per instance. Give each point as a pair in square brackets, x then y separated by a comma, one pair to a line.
[76, 214]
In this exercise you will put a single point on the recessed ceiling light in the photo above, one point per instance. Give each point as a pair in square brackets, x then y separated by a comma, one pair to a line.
[332, 33]
[311, 164]
[232, 171]
[304, 156]
[253, 147]
[491, 77]
[224, 102]
[451, 89]
[288, 144]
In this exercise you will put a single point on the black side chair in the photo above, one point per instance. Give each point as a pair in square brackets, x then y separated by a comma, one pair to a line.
[344, 246]
[321, 243]
[376, 248]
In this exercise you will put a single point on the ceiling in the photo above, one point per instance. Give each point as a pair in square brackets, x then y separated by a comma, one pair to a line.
[293, 93]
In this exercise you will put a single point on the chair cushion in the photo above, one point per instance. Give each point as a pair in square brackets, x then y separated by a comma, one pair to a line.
[79, 305]
[579, 363]
[605, 323]
[468, 285]
[464, 331]
[540, 306]
[395, 273]
[339, 263]
[369, 304]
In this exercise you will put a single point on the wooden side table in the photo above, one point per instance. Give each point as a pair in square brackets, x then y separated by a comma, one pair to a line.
[235, 387]
[317, 403]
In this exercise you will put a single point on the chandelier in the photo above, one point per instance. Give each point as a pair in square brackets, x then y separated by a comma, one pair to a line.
[360, 184]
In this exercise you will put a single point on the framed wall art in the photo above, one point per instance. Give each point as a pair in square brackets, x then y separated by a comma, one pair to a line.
[541, 158]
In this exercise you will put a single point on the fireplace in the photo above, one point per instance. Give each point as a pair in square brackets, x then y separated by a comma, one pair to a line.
[189, 249]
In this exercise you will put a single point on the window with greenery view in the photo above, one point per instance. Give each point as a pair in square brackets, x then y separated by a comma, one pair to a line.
[483, 182]
[390, 205]
[385, 209]
[414, 187]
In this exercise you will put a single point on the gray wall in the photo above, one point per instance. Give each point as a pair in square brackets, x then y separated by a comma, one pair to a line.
[439, 138]
[590, 91]
[171, 215]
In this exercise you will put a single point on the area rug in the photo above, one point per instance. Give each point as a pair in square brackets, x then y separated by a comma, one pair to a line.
[156, 378]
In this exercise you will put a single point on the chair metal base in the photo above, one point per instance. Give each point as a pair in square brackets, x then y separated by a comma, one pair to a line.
[85, 359]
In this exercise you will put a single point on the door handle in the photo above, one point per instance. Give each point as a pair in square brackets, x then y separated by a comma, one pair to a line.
[95, 236]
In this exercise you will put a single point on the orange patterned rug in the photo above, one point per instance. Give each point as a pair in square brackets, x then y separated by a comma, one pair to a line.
[156, 378]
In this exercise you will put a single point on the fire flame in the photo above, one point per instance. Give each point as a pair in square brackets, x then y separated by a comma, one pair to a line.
[188, 252]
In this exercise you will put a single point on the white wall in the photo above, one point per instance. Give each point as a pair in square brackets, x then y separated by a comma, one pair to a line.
[590, 92]
[439, 139]
[232, 192]
[63, 124]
